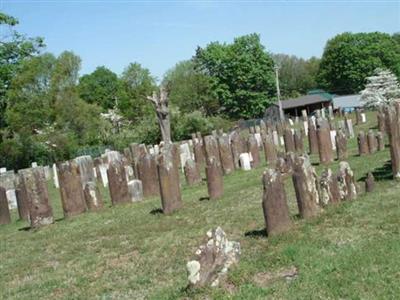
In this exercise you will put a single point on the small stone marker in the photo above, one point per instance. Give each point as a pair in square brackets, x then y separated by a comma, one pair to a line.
[5, 217]
[363, 118]
[168, 173]
[93, 198]
[244, 159]
[274, 203]
[192, 172]
[369, 183]
[212, 260]
[135, 190]
[215, 184]
[347, 185]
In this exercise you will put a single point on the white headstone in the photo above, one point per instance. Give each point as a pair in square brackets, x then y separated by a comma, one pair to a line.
[363, 118]
[47, 172]
[349, 128]
[103, 174]
[129, 173]
[11, 198]
[314, 120]
[3, 170]
[34, 164]
[135, 190]
[333, 139]
[291, 122]
[282, 140]
[184, 154]
[305, 125]
[323, 113]
[55, 176]
[257, 136]
[275, 137]
[245, 161]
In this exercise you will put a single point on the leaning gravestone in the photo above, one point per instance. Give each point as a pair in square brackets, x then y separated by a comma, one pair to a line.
[225, 153]
[168, 174]
[328, 188]
[72, 197]
[34, 183]
[274, 203]
[212, 260]
[5, 217]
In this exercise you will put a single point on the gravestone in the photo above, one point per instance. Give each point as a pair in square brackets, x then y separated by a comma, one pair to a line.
[341, 145]
[372, 143]
[225, 153]
[392, 120]
[236, 148]
[86, 167]
[328, 188]
[147, 171]
[381, 121]
[93, 198]
[185, 154]
[333, 139]
[55, 177]
[269, 149]
[347, 185]
[168, 174]
[211, 148]
[72, 197]
[253, 150]
[363, 118]
[349, 127]
[274, 203]
[324, 141]
[22, 200]
[369, 183]
[298, 141]
[244, 159]
[5, 217]
[192, 173]
[135, 189]
[12, 199]
[362, 144]
[215, 184]
[380, 141]
[117, 184]
[312, 137]
[275, 137]
[198, 152]
[289, 140]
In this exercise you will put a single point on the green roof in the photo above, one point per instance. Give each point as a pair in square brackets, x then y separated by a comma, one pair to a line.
[322, 93]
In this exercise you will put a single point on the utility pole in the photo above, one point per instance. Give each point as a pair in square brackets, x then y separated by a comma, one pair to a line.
[278, 93]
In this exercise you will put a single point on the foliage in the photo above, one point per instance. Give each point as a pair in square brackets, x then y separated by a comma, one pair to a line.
[101, 87]
[242, 75]
[190, 89]
[382, 88]
[14, 49]
[349, 57]
[296, 75]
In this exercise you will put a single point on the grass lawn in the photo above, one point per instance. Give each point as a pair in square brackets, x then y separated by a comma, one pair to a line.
[351, 251]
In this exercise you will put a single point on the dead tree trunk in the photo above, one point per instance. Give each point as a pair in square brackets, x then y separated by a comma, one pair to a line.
[160, 102]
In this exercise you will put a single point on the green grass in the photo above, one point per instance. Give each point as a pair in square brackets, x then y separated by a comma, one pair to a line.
[351, 251]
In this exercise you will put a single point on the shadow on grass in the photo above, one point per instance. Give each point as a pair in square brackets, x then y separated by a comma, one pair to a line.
[260, 233]
[204, 198]
[156, 211]
[381, 173]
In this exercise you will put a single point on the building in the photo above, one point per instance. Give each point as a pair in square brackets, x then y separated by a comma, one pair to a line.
[347, 103]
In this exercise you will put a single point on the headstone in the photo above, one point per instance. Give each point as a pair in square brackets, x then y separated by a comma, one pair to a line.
[363, 118]
[55, 177]
[198, 152]
[305, 126]
[47, 172]
[362, 144]
[324, 142]
[304, 114]
[369, 183]
[289, 140]
[102, 170]
[372, 143]
[147, 171]
[12, 199]
[305, 185]
[192, 172]
[168, 173]
[381, 121]
[269, 149]
[358, 116]
[349, 128]
[93, 198]
[211, 148]
[5, 217]
[212, 260]
[380, 141]
[72, 197]
[333, 139]
[135, 190]
[330, 111]
[341, 145]
[312, 137]
[275, 138]
[34, 165]
[253, 149]
[258, 138]
[244, 159]
[117, 184]
[347, 185]
[185, 154]
[392, 120]
[328, 188]
[236, 148]
[274, 203]
[37, 197]
[298, 141]
[225, 153]
[215, 184]
[86, 166]
[22, 201]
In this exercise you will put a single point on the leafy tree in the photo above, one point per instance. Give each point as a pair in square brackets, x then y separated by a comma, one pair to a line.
[382, 88]
[296, 75]
[100, 87]
[242, 75]
[14, 49]
[349, 57]
[136, 84]
[190, 89]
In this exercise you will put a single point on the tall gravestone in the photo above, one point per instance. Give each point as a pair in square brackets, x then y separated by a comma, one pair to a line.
[341, 145]
[5, 217]
[215, 184]
[147, 171]
[253, 149]
[380, 141]
[269, 149]
[274, 203]
[362, 144]
[117, 183]
[324, 141]
[225, 153]
[392, 121]
[372, 143]
[312, 137]
[192, 173]
[289, 140]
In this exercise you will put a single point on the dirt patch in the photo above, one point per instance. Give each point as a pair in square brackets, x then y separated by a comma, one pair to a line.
[266, 278]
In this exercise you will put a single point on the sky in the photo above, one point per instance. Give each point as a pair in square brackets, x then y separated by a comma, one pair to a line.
[158, 34]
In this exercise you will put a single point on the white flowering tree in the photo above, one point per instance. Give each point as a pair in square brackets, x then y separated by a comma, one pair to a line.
[382, 88]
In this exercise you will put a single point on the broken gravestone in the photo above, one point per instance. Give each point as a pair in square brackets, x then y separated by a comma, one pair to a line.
[212, 260]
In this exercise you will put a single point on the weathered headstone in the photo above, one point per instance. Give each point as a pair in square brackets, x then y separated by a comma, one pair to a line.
[275, 137]
[117, 184]
[349, 127]
[269, 149]
[372, 143]
[212, 260]
[55, 177]
[305, 186]
[333, 139]
[245, 163]
[147, 171]
[274, 203]
[298, 141]
[362, 144]
[168, 174]
[253, 149]
[358, 116]
[192, 173]
[37, 197]
[12, 199]
[5, 217]
[380, 141]
[135, 190]
[225, 153]
[289, 140]
[369, 183]
[198, 152]
[381, 121]
[72, 197]
[236, 147]
[86, 166]
[22, 201]
[392, 120]
[347, 185]
[324, 142]
[328, 188]
[341, 145]
[215, 184]
[184, 151]
[312, 137]
[211, 148]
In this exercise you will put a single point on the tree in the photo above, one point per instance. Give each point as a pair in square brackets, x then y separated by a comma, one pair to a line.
[100, 87]
[136, 84]
[382, 88]
[190, 89]
[349, 57]
[160, 102]
[296, 75]
[14, 49]
[242, 75]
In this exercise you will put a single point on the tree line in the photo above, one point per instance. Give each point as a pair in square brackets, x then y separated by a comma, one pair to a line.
[48, 112]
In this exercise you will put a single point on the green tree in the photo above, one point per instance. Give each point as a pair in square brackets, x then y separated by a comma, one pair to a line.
[14, 49]
[190, 89]
[242, 75]
[296, 75]
[136, 84]
[100, 87]
[350, 57]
